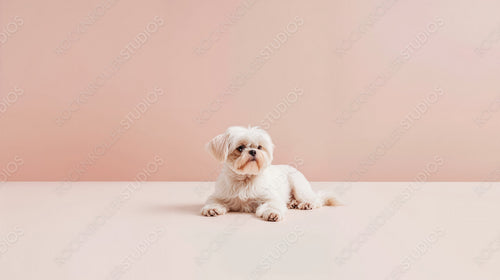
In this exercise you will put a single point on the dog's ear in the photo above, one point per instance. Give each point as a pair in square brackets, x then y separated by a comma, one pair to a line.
[219, 146]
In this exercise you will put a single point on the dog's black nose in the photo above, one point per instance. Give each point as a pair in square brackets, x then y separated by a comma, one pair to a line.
[252, 152]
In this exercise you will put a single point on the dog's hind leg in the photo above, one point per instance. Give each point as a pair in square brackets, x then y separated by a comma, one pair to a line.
[305, 198]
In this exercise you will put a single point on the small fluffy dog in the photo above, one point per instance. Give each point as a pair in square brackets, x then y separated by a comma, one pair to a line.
[249, 183]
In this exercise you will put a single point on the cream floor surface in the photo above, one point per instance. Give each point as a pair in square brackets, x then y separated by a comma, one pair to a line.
[123, 230]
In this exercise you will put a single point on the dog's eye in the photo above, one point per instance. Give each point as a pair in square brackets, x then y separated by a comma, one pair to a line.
[259, 147]
[240, 148]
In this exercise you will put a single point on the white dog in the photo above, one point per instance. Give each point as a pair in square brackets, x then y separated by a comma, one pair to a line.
[249, 183]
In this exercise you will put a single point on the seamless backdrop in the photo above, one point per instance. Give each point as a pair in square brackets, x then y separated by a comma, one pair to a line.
[349, 90]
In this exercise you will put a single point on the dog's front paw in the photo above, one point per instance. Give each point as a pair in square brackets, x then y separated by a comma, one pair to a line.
[305, 206]
[274, 217]
[308, 205]
[213, 210]
[292, 204]
[271, 215]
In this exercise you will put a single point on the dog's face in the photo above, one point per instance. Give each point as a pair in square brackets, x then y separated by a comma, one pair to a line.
[247, 151]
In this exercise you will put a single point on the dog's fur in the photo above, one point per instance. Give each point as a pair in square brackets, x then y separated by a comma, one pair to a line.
[249, 183]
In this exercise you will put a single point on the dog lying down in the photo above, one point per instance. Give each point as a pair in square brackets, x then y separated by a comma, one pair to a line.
[249, 183]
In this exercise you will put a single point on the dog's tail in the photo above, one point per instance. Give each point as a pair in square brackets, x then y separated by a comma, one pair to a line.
[327, 199]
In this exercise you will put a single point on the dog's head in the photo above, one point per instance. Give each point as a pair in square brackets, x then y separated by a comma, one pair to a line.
[247, 151]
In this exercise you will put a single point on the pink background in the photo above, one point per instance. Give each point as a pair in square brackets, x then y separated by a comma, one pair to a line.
[330, 51]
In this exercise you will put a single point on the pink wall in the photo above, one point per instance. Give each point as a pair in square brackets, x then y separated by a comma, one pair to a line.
[364, 90]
